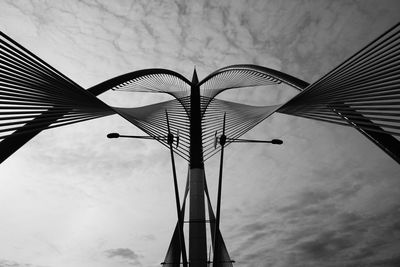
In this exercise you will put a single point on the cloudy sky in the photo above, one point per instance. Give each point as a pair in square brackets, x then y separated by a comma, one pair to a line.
[73, 198]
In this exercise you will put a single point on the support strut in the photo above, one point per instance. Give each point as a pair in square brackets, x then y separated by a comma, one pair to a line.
[170, 140]
[222, 141]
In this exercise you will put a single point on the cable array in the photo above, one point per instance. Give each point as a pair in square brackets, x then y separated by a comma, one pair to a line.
[161, 82]
[31, 91]
[240, 119]
[152, 120]
[235, 76]
[362, 92]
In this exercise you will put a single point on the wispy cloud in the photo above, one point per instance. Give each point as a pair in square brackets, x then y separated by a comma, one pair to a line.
[7, 263]
[125, 254]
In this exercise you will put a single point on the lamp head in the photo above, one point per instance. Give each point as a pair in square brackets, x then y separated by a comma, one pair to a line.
[113, 135]
[276, 142]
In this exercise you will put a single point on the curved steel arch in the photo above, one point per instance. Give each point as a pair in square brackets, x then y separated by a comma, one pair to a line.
[131, 76]
[281, 76]
[243, 75]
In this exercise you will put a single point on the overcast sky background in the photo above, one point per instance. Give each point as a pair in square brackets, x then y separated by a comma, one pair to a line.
[73, 198]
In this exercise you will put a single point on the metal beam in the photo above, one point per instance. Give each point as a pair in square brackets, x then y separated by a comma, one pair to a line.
[217, 242]
[178, 204]
[197, 223]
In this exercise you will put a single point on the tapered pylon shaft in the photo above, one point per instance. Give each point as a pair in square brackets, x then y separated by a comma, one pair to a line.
[197, 226]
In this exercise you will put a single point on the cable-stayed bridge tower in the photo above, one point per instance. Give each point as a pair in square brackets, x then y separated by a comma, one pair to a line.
[363, 92]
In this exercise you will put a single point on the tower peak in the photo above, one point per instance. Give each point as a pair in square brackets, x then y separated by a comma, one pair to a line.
[195, 79]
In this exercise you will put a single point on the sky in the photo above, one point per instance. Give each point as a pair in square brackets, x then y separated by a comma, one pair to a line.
[73, 198]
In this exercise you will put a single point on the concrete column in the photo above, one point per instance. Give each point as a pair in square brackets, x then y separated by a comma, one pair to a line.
[197, 226]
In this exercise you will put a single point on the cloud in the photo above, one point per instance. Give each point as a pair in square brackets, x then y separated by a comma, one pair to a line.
[389, 262]
[306, 199]
[125, 254]
[7, 263]
[149, 237]
[314, 230]
[347, 239]
[325, 245]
